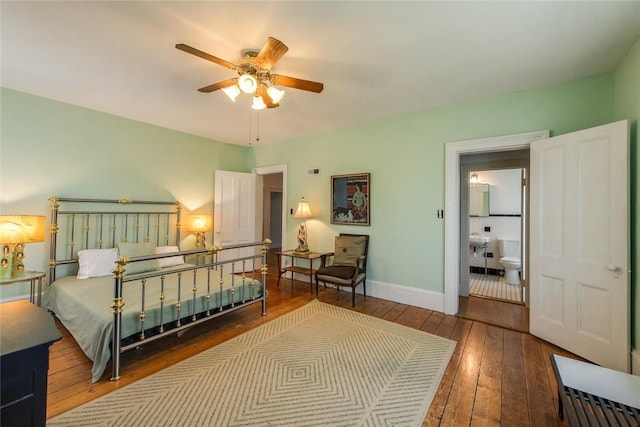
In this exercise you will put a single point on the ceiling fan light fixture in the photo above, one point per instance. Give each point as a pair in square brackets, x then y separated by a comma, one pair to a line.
[247, 83]
[232, 92]
[258, 103]
[275, 94]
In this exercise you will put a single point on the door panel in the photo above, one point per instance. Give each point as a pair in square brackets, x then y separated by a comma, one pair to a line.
[579, 243]
[234, 210]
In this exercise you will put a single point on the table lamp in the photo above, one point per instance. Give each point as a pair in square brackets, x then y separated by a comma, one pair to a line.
[303, 212]
[200, 224]
[15, 232]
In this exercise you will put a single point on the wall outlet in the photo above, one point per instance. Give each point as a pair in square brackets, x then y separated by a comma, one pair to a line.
[313, 171]
[489, 254]
[487, 229]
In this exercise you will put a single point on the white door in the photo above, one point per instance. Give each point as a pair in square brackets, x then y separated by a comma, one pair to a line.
[234, 211]
[579, 243]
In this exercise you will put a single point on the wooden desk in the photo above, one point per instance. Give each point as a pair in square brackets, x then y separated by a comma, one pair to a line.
[26, 334]
[31, 277]
[308, 270]
[591, 394]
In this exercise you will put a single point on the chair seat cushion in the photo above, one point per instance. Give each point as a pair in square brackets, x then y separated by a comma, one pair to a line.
[339, 271]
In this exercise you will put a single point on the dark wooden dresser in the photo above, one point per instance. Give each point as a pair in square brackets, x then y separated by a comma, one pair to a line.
[26, 332]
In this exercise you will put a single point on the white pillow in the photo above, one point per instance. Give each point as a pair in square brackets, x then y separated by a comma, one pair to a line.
[96, 262]
[170, 261]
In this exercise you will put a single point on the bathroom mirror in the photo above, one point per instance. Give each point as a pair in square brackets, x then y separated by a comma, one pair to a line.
[479, 200]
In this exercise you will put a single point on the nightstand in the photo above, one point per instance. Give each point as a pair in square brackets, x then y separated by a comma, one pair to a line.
[32, 277]
[308, 270]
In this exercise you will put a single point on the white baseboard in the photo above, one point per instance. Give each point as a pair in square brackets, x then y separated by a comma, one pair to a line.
[15, 298]
[401, 294]
[405, 295]
[635, 362]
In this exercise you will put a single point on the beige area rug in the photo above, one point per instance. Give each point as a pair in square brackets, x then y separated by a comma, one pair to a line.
[319, 365]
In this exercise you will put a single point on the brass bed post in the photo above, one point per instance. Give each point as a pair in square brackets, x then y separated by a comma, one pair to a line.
[263, 269]
[117, 306]
[178, 224]
[54, 234]
[86, 229]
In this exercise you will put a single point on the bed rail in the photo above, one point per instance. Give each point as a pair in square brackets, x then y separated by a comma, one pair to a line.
[238, 269]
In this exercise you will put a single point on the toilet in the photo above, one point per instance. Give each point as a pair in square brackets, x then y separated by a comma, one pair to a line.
[510, 260]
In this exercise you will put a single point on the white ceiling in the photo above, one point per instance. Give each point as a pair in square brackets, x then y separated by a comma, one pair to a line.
[376, 59]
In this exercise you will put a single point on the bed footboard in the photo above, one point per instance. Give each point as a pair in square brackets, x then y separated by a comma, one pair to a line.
[216, 288]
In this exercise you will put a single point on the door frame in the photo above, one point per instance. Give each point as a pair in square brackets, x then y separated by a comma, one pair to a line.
[453, 151]
[267, 170]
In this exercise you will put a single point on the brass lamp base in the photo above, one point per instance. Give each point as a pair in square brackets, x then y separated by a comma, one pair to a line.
[11, 265]
[200, 241]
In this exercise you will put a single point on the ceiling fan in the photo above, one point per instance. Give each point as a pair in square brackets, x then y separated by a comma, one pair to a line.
[254, 75]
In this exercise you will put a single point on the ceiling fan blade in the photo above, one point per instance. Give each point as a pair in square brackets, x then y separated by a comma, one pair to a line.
[262, 92]
[270, 53]
[219, 85]
[295, 83]
[204, 55]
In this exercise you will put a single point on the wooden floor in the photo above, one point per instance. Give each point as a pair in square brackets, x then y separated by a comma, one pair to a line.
[497, 376]
[505, 314]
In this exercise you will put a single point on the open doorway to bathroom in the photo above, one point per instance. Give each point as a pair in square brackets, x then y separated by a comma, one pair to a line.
[496, 234]
[493, 226]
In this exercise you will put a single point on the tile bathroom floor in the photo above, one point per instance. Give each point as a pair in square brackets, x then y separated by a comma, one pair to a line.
[490, 286]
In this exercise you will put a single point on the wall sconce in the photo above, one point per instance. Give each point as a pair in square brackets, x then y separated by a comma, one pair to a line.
[200, 224]
[474, 178]
[303, 212]
[15, 232]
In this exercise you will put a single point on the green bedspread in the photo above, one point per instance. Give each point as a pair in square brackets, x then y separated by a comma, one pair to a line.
[83, 306]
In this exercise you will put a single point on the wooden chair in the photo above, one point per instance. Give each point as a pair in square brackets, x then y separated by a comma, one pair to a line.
[348, 266]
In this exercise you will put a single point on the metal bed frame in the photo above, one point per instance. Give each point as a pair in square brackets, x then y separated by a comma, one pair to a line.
[94, 227]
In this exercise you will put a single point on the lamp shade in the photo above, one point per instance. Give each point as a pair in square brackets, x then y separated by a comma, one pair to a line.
[22, 228]
[303, 211]
[275, 94]
[200, 223]
[258, 103]
[232, 92]
[247, 83]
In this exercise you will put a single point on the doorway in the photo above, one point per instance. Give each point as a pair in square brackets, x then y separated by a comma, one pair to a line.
[453, 225]
[272, 208]
[496, 216]
[275, 219]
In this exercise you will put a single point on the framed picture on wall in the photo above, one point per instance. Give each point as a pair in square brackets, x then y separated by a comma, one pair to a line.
[350, 204]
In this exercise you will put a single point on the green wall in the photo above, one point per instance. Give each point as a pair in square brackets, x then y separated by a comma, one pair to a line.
[627, 106]
[50, 148]
[405, 156]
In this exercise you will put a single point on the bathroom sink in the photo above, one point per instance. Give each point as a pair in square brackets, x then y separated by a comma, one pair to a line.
[477, 240]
